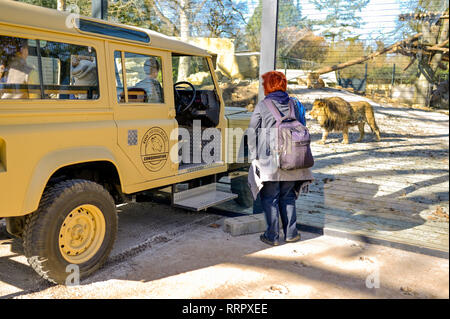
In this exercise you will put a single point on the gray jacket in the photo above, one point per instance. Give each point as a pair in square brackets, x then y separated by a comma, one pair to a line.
[261, 137]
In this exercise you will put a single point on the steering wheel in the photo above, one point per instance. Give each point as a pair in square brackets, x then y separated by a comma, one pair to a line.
[183, 106]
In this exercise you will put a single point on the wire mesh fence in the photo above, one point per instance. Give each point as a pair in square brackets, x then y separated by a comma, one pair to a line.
[339, 35]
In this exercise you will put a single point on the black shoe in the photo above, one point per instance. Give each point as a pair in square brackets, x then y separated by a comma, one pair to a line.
[268, 242]
[293, 240]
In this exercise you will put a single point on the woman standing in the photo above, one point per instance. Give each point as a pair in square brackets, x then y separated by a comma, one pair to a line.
[278, 188]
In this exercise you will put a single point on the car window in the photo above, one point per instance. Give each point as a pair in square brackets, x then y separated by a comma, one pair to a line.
[69, 71]
[33, 69]
[143, 78]
[193, 69]
[19, 70]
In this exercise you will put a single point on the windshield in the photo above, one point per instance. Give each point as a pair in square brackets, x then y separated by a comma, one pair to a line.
[193, 69]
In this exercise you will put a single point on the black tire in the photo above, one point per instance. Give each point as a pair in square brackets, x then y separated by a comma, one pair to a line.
[239, 186]
[42, 228]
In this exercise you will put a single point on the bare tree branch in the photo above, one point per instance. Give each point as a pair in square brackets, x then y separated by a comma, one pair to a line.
[198, 8]
[152, 3]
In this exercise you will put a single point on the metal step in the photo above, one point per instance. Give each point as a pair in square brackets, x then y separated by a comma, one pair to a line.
[202, 197]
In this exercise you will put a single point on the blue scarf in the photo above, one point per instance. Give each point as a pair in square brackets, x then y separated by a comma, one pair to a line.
[279, 96]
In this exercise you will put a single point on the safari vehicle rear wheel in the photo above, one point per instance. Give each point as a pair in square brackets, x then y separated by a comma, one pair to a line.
[75, 224]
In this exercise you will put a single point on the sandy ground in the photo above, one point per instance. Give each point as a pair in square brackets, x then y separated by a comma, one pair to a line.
[187, 255]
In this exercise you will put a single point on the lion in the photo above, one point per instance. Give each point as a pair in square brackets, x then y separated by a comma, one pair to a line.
[336, 114]
[313, 81]
[156, 144]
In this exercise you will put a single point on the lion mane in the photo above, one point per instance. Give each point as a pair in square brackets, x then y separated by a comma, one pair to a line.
[336, 113]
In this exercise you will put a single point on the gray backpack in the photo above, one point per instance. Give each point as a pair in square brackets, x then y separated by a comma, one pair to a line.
[293, 149]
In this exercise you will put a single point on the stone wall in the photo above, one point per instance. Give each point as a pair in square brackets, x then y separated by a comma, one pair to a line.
[231, 65]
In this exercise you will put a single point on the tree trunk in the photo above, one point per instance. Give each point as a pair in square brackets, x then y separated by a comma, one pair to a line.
[433, 35]
[183, 68]
[61, 5]
[437, 58]
[422, 85]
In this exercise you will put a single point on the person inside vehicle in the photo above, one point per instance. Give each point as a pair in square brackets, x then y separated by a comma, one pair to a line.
[84, 72]
[150, 84]
[2, 71]
[19, 72]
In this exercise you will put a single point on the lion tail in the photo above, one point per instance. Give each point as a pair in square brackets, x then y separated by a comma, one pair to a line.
[370, 117]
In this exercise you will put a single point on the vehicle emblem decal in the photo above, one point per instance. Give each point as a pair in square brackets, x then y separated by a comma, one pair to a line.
[155, 149]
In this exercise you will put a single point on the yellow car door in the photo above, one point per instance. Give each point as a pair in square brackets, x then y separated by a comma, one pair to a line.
[144, 108]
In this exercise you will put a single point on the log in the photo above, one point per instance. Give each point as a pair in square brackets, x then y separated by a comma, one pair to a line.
[438, 49]
[390, 48]
[410, 63]
[440, 46]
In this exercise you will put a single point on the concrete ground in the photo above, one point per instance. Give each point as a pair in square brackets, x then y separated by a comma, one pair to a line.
[164, 252]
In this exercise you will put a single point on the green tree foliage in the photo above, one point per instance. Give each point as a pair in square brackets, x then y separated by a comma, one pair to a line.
[299, 49]
[201, 18]
[134, 12]
[213, 18]
[289, 15]
[341, 18]
[82, 7]
[344, 51]
[42, 3]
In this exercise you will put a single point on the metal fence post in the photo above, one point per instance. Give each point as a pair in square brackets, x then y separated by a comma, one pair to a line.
[393, 78]
[365, 78]
[100, 9]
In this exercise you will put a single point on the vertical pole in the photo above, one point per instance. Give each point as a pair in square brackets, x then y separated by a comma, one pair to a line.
[100, 9]
[269, 23]
[365, 78]
[393, 78]
[285, 67]
[61, 5]
[339, 76]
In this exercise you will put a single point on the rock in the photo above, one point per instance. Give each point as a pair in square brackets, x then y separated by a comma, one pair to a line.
[278, 289]
[364, 258]
[200, 78]
[405, 290]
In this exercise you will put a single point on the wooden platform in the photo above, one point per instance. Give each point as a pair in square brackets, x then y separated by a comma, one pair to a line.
[395, 191]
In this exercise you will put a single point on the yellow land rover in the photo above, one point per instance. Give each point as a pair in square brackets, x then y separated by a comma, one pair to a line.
[92, 114]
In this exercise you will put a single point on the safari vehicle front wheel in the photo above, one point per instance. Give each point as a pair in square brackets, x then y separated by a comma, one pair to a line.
[75, 224]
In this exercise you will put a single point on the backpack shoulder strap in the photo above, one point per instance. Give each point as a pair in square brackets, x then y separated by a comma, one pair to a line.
[275, 112]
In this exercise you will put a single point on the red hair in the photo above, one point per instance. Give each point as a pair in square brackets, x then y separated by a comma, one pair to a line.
[274, 81]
